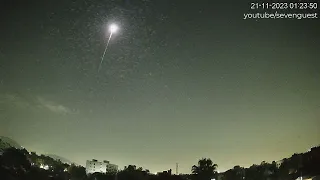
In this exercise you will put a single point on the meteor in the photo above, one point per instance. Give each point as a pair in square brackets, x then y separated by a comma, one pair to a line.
[112, 28]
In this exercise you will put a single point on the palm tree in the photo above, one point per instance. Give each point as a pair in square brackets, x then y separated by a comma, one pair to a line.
[205, 170]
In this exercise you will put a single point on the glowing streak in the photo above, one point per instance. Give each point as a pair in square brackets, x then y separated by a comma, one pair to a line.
[104, 52]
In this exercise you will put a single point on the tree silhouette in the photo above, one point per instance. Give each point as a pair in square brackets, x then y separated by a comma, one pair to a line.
[16, 159]
[133, 173]
[77, 172]
[237, 173]
[205, 170]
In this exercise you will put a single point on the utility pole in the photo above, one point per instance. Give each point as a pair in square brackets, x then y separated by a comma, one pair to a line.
[177, 166]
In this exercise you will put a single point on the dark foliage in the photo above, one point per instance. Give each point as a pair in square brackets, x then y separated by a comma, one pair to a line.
[19, 164]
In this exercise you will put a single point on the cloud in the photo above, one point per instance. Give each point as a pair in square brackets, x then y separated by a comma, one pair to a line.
[33, 102]
[54, 107]
[14, 100]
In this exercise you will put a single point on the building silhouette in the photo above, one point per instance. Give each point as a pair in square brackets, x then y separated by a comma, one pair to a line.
[94, 165]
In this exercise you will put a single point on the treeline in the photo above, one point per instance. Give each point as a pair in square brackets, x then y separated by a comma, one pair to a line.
[4, 145]
[19, 164]
[305, 164]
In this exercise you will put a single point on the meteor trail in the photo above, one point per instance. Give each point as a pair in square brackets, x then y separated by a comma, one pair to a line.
[113, 28]
[104, 52]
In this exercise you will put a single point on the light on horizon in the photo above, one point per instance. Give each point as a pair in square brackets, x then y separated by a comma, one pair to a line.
[46, 167]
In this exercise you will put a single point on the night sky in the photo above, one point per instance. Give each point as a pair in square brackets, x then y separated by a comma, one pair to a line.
[181, 80]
